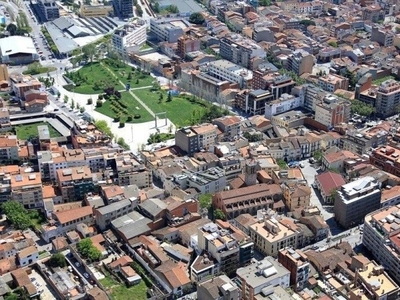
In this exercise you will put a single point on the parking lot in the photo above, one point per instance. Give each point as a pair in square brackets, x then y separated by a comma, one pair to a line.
[40, 283]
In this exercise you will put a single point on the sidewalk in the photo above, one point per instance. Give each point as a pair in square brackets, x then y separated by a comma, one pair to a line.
[135, 135]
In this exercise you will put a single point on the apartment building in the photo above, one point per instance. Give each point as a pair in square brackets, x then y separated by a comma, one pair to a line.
[263, 33]
[123, 8]
[27, 189]
[387, 98]
[4, 76]
[106, 214]
[130, 171]
[297, 264]
[247, 200]
[283, 104]
[332, 111]
[49, 10]
[74, 183]
[296, 195]
[384, 36]
[333, 82]
[5, 123]
[9, 148]
[130, 37]
[240, 50]
[312, 95]
[91, 11]
[168, 29]
[276, 83]
[253, 102]
[362, 142]
[195, 138]
[381, 238]
[223, 244]
[262, 277]
[5, 181]
[229, 125]
[390, 196]
[187, 44]
[219, 287]
[226, 70]
[270, 235]
[386, 158]
[300, 62]
[373, 13]
[51, 161]
[356, 199]
[23, 83]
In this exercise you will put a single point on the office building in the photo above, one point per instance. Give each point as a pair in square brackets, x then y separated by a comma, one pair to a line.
[387, 98]
[297, 264]
[168, 29]
[282, 104]
[229, 125]
[129, 171]
[384, 36]
[373, 13]
[23, 83]
[123, 8]
[332, 111]
[261, 278]
[240, 50]
[356, 199]
[129, 38]
[382, 238]
[300, 62]
[49, 10]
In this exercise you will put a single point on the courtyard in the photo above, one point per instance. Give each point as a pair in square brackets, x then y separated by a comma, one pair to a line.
[27, 131]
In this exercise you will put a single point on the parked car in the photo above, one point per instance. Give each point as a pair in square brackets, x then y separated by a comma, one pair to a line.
[77, 264]
[86, 275]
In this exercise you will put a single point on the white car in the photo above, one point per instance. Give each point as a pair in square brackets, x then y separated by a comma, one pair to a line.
[86, 275]
[77, 264]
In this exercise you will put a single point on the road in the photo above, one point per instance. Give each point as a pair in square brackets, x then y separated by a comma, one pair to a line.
[146, 17]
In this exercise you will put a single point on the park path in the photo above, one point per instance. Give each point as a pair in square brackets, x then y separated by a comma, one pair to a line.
[133, 95]
[138, 88]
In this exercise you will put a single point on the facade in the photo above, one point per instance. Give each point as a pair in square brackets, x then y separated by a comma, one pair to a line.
[8, 148]
[300, 62]
[187, 44]
[130, 172]
[332, 111]
[333, 82]
[123, 8]
[283, 104]
[262, 277]
[229, 125]
[74, 183]
[240, 50]
[253, 102]
[226, 70]
[381, 238]
[195, 138]
[387, 98]
[296, 195]
[383, 36]
[356, 199]
[4, 73]
[91, 11]
[373, 13]
[297, 264]
[28, 256]
[27, 189]
[23, 83]
[130, 37]
[247, 200]
[168, 29]
[387, 159]
[49, 9]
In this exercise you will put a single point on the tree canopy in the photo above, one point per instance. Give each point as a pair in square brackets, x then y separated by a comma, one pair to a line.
[17, 214]
[89, 51]
[361, 108]
[88, 250]
[219, 214]
[196, 18]
[307, 22]
[205, 200]
[102, 126]
[57, 260]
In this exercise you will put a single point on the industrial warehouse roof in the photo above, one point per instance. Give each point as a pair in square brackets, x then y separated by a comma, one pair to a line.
[17, 44]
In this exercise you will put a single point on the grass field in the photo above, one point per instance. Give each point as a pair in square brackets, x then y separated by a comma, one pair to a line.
[180, 110]
[24, 132]
[133, 108]
[118, 291]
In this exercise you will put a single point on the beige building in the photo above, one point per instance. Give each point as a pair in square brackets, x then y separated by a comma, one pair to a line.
[333, 82]
[271, 235]
[193, 139]
[296, 195]
[332, 111]
[8, 148]
[4, 73]
[27, 189]
[23, 83]
[229, 125]
[130, 171]
[387, 98]
[91, 11]
[300, 62]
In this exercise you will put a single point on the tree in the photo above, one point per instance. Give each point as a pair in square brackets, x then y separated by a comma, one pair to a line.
[129, 76]
[66, 99]
[11, 296]
[160, 98]
[361, 108]
[99, 103]
[17, 214]
[88, 250]
[12, 28]
[205, 200]
[282, 164]
[122, 143]
[169, 97]
[82, 110]
[121, 124]
[318, 155]
[307, 22]
[72, 103]
[90, 100]
[102, 126]
[57, 260]
[352, 79]
[333, 44]
[156, 7]
[89, 51]
[196, 18]
[219, 214]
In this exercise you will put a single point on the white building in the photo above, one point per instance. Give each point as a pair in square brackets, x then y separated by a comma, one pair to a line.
[18, 50]
[168, 29]
[226, 70]
[129, 38]
[285, 103]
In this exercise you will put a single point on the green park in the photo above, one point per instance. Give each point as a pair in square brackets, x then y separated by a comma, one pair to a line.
[27, 131]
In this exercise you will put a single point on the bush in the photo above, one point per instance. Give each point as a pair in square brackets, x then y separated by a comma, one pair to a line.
[137, 116]
[99, 103]
[90, 101]
[129, 119]
[121, 124]
[117, 118]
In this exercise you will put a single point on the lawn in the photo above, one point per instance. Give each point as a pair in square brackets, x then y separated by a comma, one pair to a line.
[91, 79]
[118, 291]
[180, 110]
[133, 108]
[379, 81]
[26, 131]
